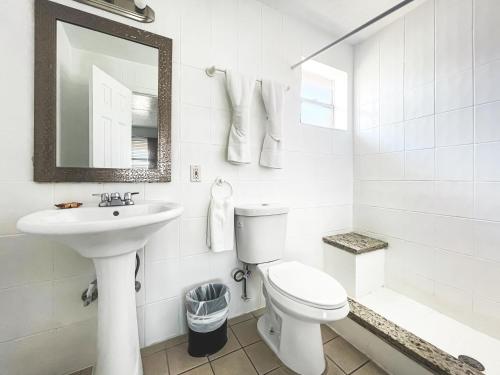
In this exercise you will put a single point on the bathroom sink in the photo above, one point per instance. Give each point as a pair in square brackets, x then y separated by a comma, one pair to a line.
[96, 232]
[110, 236]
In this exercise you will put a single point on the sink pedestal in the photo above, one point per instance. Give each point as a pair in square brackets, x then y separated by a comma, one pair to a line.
[117, 335]
[110, 236]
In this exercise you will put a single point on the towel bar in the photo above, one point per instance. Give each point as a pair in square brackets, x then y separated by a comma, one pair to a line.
[211, 71]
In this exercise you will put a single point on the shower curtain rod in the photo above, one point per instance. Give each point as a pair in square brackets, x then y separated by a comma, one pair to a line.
[355, 31]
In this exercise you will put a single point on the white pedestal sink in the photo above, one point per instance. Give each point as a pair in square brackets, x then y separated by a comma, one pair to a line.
[110, 236]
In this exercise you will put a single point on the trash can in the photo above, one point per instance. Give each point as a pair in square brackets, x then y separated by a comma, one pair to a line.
[207, 307]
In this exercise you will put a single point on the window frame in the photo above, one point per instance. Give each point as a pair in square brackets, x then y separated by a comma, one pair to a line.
[333, 107]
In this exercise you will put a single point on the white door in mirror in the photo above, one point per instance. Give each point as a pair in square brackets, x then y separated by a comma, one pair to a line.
[110, 122]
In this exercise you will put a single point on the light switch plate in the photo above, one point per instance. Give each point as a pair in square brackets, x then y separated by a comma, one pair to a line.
[195, 173]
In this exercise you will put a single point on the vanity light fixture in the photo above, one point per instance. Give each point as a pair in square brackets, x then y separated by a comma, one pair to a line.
[141, 4]
[138, 10]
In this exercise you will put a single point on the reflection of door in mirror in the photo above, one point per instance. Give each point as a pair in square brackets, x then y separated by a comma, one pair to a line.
[110, 122]
[107, 100]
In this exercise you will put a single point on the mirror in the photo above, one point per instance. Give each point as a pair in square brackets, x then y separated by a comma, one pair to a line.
[111, 84]
[107, 100]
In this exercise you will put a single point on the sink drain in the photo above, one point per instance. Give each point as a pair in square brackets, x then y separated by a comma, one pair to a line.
[474, 363]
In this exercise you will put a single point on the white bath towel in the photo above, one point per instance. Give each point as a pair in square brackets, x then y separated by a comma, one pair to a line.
[273, 95]
[240, 90]
[220, 223]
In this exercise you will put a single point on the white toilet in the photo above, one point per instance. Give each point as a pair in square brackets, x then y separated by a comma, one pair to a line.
[298, 297]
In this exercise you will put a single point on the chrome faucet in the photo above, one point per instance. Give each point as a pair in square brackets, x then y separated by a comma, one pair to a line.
[115, 199]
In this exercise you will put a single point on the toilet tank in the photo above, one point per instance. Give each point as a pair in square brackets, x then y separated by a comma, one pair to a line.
[260, 232]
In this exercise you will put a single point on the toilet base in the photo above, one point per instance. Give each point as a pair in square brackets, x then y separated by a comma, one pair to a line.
[298, 344]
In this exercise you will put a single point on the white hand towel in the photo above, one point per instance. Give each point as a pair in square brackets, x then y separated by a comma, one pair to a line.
[240, 90]
[273, 95]
[220, 224]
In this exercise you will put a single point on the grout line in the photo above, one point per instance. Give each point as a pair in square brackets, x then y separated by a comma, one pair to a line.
[331, 359]
[474, 156]
[250, 360]
[192, 368]
[403, 210]
[363, 365]
[211, 367]
[327, 341]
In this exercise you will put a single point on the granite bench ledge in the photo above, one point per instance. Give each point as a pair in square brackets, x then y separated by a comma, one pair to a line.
[355, 243]
[414, 347]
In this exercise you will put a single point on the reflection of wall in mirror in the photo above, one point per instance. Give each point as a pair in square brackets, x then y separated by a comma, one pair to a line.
[74, 74]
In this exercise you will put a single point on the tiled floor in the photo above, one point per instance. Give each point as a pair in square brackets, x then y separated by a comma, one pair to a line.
[246, 354]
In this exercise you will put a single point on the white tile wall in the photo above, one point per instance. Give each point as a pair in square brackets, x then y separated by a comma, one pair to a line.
[486, 45]
[41, 282]
[487, 122]
[455, 163]
[442, 216]
[419, 164]
[392, 137]
[419, 133]
[455, 127]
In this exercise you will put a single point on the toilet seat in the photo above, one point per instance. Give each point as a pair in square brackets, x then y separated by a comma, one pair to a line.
[307, 285]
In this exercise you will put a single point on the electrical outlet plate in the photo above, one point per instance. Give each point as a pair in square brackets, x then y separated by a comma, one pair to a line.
[195, 173]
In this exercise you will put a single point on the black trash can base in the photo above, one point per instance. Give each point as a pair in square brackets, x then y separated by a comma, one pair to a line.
[203, 344]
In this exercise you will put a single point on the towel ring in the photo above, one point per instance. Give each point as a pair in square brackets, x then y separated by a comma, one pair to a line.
[218, 183]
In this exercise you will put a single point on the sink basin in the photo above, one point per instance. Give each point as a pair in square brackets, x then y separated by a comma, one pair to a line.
[110, 236]
[97, 232]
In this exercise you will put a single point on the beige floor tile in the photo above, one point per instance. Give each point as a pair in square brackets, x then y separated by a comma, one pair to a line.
[246, 332]
[263, 358]
[333, 369]
[346, 356]
[282, 371]
[180, 361]
[258, 313]
[176, 341]
[370, 369]
[327, 334]
[236, 363]
[239, 319]
[87, 371]
[202, 370]
[163, 345]
[232, 345]
[153, 349]
[155, 364]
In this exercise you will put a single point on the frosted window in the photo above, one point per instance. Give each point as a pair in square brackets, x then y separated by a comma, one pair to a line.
[323, 96]
[313, 114]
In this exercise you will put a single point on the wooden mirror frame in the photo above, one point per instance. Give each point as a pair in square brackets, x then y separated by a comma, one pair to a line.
[45, 127]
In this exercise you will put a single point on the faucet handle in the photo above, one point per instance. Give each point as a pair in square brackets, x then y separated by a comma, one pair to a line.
[104, 196]
[104, 199]
[115, 196]
[127, 197]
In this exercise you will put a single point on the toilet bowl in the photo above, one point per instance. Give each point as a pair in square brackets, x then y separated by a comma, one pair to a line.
[299, 298]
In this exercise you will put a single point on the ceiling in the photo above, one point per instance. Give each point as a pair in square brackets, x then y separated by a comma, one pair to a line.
[338, 17]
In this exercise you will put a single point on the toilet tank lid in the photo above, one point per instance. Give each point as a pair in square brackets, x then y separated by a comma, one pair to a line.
[260, 209]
